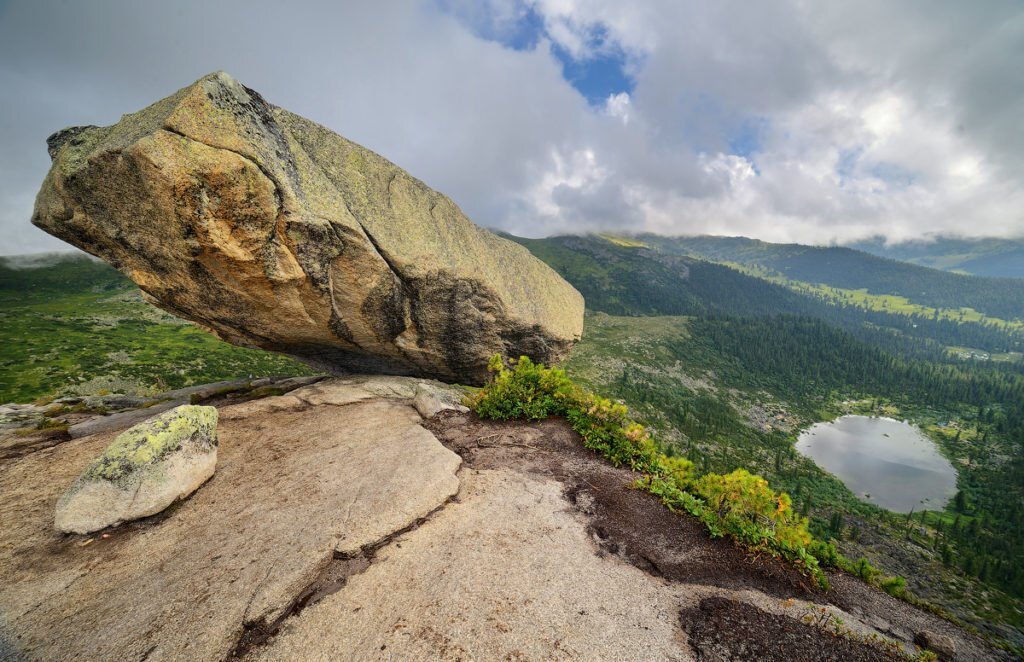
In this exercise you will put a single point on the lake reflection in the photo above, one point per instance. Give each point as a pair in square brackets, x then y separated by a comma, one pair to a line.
[892, 461]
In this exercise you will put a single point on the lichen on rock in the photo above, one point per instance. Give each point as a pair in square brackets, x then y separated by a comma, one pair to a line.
[145, 469]
[147, 443]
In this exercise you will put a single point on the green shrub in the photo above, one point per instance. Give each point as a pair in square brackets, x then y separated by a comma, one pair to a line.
[744, 507]
[606, 428]
[895, 586]
[826, 554]
[752, 512]
[862, 568]
[523, 389]
[680, 470]
[676, 499]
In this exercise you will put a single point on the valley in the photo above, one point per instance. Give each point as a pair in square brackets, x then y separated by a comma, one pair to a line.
[724, 412]
[729, 367]
[73, 325]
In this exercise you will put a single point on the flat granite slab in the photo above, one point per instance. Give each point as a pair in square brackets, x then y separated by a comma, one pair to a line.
[296, 486]
[508, 573]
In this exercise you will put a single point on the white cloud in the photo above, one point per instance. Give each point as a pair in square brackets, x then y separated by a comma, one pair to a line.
[617, 106]
[580, 171]
[868, 117]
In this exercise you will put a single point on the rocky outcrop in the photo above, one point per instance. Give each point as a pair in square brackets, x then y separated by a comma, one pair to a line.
[147, 468]
[273, 232]
[342, 525]
[305, 482]
[940, 644]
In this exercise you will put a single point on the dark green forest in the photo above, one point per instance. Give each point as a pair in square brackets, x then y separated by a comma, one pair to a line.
[800, 359]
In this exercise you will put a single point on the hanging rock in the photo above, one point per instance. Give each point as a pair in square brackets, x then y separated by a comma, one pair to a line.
[273, 232]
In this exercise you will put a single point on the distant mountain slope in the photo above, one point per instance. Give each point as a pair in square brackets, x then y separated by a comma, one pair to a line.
[981, 257]
[851, 269]
[631, 280]
[622, 279]
[24, 277]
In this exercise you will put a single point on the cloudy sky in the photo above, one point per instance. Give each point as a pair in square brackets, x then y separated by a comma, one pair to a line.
[785, 120]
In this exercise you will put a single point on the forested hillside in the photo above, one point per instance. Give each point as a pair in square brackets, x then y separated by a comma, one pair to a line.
[1001, 258]
[853, 270]
[635, 280]
[731, 392]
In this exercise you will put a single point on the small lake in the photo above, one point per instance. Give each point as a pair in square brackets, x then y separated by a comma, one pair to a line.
[886, 462]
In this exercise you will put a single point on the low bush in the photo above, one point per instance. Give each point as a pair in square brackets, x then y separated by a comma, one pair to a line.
[862, 568]
[826, 554]
[523, 389]
[894, 586]
[745, 508]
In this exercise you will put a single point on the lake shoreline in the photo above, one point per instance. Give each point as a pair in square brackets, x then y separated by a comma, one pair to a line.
[889, 463]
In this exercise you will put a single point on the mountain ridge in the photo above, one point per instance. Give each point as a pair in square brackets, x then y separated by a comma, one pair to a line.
[980, 257]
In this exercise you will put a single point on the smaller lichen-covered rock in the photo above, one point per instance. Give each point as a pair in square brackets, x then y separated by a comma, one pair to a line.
[146, 468]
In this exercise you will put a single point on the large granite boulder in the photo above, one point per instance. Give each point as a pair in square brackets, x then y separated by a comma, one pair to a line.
[146, 468]
[273, 232]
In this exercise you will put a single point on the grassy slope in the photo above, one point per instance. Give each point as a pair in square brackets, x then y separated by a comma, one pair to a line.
[77, 325]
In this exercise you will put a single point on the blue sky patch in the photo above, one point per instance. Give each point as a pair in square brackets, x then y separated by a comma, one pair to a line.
[599, 75]
[522, 34]
[847, 163]
[746, 139]
[890, 173]
[526, 33]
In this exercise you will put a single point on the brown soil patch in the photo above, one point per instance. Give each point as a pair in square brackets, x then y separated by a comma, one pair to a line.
[721, 629]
